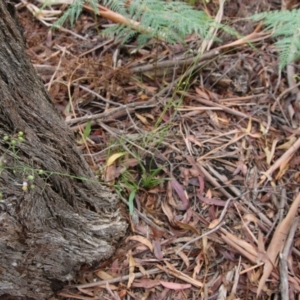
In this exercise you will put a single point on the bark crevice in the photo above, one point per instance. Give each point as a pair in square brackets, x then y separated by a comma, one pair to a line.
[46, 233]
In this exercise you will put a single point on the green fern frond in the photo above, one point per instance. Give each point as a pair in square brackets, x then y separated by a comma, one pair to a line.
[167, 20]
[170, 21]
[115, 5]
[285, 25]
[72, 13]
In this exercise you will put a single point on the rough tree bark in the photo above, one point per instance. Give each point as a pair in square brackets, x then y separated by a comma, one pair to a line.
[46, 232]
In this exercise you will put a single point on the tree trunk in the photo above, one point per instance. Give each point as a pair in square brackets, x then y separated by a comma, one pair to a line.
[66, 219]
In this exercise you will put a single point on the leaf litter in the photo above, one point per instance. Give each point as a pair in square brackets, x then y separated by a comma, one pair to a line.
[218, 136]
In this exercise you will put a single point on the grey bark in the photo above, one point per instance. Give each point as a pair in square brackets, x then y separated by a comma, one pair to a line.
[68, 219]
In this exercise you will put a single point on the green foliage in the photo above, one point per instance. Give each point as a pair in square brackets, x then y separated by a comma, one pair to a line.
[129, 183]
[149, 179]
[170, 21]
[285, 26]
[87, 129]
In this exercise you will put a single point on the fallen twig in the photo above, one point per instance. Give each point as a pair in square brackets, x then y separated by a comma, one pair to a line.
[280, 162]
[278, 240]
[118, 279]
[283, 266]
[210, 231]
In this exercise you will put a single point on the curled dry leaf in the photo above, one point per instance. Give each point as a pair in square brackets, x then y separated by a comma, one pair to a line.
[167, 211]
[142, 119]
[188, 215]
[213, 223]
[181, 193]
[187, 227]
[111, 173]
[199, 264]
[142, 240]
[157, 250]
[240, 167]
[114, 157]
[248, 218]
[175, 286]
[184, 258]
[103, 275]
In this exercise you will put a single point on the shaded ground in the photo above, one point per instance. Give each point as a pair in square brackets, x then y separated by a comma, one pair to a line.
[215, 141]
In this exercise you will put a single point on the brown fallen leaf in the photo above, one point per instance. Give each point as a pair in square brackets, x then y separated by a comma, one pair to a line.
[184, 258]
[284, 159]
[173, 271]
[181, 194]
[131, 276]
[142, 240]
[157, 250]
[175, 286]
[146, 283]
[103, 275]
[277, 243]
[186, 227]
[240, 245]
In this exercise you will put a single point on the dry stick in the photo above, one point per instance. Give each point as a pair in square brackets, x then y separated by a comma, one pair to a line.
[233, 241]
[74, 296]
[237, 193]
[250, 38]
[210, 231]
[236, 277]
[278, 240]
[118, 279]
[280, 161]
[288, 90]
[56, 68]
[180, 275]
[221, 147]
[270, 171]
[139, 105]
[230, 100]
[225, 108]
[104, 115]
[96, 47]
[283, 266]
[213, 181]
[291, 80]
[176, 62]
[249, 204]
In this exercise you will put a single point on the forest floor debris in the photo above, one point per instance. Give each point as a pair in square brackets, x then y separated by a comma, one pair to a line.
[206, 154]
